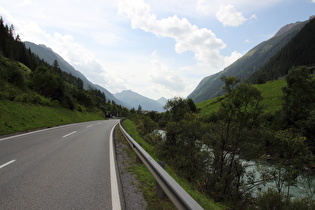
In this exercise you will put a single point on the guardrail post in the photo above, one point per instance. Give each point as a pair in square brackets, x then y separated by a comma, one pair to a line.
[158, 189]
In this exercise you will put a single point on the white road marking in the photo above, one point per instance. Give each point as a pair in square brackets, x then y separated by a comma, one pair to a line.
[7, 163]
[89, 126]
[69, 134]
[113, 176]
[38, 131]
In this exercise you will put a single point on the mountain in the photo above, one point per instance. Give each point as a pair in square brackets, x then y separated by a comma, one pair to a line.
[48, 55]
[243, 68]
[135, 99]
[162, 101]
[298, 52]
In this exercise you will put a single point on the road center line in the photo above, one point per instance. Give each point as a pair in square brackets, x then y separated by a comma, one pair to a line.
[69, 134]
[113, 177]
[7, 163]
[89, 126]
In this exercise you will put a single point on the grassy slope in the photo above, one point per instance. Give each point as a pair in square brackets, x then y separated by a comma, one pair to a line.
[16, 117]
[271, 91]
[145, 177]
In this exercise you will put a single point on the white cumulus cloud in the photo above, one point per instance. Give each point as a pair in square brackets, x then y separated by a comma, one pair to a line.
[228, 16]
[201, 41]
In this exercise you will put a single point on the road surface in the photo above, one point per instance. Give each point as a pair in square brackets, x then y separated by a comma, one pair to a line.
[66, 167]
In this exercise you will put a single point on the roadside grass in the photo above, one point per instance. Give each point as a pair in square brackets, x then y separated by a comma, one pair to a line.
[271, 92]
[18, 117]
[145, 177]
[146, 180]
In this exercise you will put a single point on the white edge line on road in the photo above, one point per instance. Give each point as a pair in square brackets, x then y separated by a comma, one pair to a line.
[7, 163]
[113, 176]
[69, 134]
[38, 131]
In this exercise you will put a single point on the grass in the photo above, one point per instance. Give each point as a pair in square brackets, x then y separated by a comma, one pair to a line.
[17, 117]
[145, 177]
[271, 92]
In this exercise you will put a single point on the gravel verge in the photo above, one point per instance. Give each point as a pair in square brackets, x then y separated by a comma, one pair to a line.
[130, 187]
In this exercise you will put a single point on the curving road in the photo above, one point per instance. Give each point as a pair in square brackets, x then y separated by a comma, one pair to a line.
[66, 167]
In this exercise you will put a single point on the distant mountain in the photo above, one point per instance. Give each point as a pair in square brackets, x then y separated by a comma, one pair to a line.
[244, 67]
[162, 101]
[135, 99]
[48, 55]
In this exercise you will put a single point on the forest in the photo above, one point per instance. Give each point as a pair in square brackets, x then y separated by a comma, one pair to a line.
[26, 78]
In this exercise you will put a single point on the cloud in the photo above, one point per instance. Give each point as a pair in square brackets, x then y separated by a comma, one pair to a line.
[201, 41]
[162, 75]
[228, 16]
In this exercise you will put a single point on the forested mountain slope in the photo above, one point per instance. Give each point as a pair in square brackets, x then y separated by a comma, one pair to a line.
[244, 67]
[298, 52]
[50, 56]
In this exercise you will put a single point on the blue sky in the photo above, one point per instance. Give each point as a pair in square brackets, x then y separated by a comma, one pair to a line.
[153, 47]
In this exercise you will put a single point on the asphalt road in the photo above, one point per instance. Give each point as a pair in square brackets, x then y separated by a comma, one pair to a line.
[66, 167]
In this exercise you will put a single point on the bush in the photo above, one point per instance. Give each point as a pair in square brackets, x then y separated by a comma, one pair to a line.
[272, 199]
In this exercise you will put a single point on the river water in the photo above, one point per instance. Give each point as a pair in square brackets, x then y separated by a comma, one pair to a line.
[303, 188]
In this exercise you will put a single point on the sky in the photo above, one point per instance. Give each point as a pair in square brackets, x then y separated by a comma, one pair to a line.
[157, 48]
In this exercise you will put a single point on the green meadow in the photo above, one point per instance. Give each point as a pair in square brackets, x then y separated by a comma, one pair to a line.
[271, 92]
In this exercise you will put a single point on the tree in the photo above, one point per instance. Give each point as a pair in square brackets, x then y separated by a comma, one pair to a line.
[290, 155]
[139, 110]
[45, 82]
[229, 83]
[182, 147]
[178, 107]
[298, 96]
[233, 133]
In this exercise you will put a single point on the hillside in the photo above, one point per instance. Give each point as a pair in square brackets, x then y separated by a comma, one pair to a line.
[50, 56]
[27, 79]
[244, 67]
[299, 51]
[20, 117]
[271, 92]
[135, 99]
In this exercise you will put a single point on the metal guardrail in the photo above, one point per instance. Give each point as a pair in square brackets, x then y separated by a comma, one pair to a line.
[180, 198]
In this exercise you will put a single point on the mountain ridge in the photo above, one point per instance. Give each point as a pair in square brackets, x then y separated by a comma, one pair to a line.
[211, 86]
[135, 99]
[48, 55]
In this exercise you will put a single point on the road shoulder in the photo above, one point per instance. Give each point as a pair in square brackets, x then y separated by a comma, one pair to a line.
[130, 187]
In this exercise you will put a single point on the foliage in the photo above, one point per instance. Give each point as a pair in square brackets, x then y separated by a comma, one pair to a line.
[26, 78]
[233, 131]
[299, 96]
[271, 92]
[210, 149]
[143, 174]
[299, 51]
[182, 147]
[243, 68]
[17, 117]
[290, 155]
[178, 107]
[272, 199]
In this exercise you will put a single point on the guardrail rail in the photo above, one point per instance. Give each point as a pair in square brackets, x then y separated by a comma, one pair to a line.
[180, 198]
